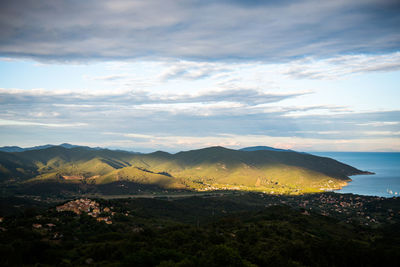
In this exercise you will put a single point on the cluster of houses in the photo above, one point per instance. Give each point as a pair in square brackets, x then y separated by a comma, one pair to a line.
[348, 208]
[91, 207]
[38, 225]
[351, 207]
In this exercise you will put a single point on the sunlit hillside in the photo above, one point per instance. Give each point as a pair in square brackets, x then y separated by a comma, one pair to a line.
[212, 168]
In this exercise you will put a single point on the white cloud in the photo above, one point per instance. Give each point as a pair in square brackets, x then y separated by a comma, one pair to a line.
[379, 123]
[192, 70]
[32, 123]
[385, 133]
[337, 67]
[59, 97]
[109, 77]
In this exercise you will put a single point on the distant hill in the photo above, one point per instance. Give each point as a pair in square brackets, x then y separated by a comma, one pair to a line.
[256, 148]
[20, 149]
[210, 168]
[11, 149]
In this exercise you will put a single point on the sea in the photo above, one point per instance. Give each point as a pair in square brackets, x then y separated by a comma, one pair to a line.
[386, 166]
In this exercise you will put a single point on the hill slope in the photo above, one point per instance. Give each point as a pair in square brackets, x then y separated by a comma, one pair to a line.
[204, 169]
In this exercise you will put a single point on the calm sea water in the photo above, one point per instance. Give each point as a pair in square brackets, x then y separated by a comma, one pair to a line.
[386, 181]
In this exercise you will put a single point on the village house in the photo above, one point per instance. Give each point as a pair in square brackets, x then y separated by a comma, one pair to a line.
[37, 225]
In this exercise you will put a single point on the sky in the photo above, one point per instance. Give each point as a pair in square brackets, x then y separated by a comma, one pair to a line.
[177, 75]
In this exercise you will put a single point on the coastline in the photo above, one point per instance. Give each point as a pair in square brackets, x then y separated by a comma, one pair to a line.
[346, 183]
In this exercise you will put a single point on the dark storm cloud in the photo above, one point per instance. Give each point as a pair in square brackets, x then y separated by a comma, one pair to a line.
[205, 30]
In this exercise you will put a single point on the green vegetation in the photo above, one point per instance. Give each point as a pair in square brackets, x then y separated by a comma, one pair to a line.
[214, 168]
[239, 229]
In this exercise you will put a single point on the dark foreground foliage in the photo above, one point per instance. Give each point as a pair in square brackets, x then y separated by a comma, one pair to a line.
[197, 231]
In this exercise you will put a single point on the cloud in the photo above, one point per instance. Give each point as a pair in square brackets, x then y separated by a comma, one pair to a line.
[139, 115]
[100, 98]
[116, 110]
[151, 123]
[379, 123]
[108, 77]
[336, 67]
[180, 73]
[191, 70]
[245, 96]
[384, 133]
[56, 30]
[30, 123]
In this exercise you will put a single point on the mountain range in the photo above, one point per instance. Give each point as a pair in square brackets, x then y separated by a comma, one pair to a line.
[213, 168]
[66, 145]
[20, 149]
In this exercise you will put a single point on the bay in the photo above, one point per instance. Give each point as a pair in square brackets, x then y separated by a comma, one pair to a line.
[386, 166]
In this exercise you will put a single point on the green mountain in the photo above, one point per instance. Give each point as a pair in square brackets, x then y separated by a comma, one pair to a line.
[205, 169]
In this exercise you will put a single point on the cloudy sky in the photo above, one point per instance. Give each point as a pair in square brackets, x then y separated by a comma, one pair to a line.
[175, 75]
